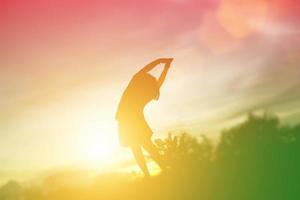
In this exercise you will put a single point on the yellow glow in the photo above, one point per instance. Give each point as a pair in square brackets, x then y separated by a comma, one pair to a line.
[97, 149]
[98, 144]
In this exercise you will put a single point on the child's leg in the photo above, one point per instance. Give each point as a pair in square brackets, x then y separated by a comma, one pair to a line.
[140, 159]
[152, 150]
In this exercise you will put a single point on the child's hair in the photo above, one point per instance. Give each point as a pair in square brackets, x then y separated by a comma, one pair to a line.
[150, 86]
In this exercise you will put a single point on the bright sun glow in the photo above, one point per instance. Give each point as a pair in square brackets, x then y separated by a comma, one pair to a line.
[99, 144]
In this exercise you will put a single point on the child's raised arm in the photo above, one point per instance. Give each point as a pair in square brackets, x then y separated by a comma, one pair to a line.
[154, 63]
[164, 73]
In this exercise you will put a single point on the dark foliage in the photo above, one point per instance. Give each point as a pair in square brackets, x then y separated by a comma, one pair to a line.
[258, 159]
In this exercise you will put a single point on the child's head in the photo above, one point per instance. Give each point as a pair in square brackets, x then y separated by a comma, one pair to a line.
[149, 87]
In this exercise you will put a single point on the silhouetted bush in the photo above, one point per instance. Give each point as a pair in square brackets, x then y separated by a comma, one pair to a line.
[185, 150]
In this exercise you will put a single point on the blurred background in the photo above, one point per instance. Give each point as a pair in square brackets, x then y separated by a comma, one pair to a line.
[64, 65]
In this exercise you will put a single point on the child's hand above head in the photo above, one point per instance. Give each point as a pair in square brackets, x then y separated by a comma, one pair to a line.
[168, 64]
[166, 60]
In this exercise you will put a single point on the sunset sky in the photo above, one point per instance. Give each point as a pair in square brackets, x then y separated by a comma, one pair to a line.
[64, 65]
